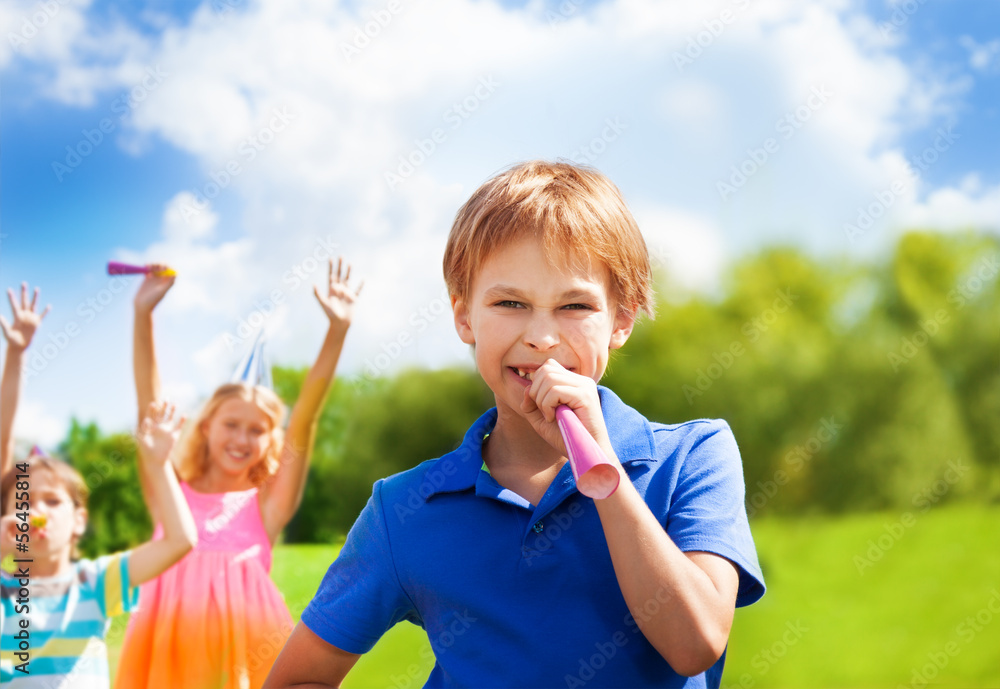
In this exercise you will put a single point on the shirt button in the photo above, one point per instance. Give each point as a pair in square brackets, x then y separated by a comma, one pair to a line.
[538, 527]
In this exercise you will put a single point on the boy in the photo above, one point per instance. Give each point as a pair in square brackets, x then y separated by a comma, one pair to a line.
[517, 578]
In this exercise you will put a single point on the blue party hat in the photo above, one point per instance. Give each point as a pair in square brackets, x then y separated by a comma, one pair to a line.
[255, 368]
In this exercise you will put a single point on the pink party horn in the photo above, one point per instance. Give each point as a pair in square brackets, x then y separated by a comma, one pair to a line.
[116, 268]
[596, 477]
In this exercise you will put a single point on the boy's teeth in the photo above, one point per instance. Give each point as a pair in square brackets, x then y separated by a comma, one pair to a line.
[524, 374]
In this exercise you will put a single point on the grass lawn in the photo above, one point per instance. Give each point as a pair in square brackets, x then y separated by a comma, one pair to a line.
[874, 600]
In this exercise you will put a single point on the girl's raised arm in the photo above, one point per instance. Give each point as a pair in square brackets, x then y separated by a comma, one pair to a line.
[147, 376]
[281, 495]
[156, 438]
[18, 335]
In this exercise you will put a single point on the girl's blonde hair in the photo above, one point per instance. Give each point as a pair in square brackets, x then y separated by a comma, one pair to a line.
[193, 453]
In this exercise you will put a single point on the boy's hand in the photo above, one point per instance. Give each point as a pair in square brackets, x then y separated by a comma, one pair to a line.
[552, 385]
[339, 300]
[26, 321]
[154, 287]
[8, 528]
[158, 433]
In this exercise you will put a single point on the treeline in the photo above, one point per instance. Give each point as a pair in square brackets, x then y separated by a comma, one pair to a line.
[849, 387]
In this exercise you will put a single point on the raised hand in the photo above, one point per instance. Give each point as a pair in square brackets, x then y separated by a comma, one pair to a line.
[26, 320]
[154, 287]
[338, 302]
[158, 432]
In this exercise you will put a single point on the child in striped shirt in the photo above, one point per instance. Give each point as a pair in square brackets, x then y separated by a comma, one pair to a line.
[56, 609]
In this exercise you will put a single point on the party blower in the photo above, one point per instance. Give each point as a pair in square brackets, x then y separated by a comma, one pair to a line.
[116, 268]
[596, 477]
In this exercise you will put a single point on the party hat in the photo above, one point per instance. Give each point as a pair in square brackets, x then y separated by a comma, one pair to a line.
[37, 452]
[255, 368]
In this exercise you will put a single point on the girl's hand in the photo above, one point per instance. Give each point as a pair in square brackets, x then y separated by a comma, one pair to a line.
[552, 385]
[158, 433]
[26, 321]
[153, 288]
[339, 300]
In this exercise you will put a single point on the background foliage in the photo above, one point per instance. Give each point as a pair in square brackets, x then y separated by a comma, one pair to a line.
[849, 387]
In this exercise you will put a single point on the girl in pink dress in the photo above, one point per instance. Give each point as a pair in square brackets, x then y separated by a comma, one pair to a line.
[215, 619]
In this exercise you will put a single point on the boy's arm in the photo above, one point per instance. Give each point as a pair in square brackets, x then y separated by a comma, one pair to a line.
[308, 662]
[281, 496]
[18, 335]
[156, 439]
[695, 593]
[144, 369]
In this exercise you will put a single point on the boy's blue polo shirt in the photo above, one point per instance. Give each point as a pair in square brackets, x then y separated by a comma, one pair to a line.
[518, 595]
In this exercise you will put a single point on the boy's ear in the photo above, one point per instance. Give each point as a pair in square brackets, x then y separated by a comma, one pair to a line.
[79, 521]
[624, 322]
[463, 327]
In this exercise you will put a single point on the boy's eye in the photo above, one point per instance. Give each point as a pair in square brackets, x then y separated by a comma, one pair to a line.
[579, 307]
[508, 304]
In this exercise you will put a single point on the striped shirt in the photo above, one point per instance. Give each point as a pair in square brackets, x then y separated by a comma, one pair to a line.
[65, 620]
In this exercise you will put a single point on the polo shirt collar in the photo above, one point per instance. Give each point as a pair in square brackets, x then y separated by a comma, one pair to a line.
[631, 438]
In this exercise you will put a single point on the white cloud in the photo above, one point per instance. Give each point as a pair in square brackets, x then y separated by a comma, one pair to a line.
[33, 425]
[286, 108]
[982, 56]
[971, 205]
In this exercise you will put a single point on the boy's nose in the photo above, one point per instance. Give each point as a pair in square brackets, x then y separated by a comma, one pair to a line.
[541, 333]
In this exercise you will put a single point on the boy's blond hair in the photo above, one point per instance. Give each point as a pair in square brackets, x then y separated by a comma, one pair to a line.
[193, 452]
[574, 210]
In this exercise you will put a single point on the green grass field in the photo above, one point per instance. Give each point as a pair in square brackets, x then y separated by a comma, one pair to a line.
[918, 615]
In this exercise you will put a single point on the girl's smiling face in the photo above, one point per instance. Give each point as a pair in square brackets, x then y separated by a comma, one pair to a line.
[238, 435]
[523, 309]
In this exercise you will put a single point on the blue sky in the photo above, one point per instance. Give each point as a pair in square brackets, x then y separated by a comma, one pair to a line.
[669, 99]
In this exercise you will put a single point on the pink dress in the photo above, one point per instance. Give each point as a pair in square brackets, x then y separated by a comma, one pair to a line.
[215, 619]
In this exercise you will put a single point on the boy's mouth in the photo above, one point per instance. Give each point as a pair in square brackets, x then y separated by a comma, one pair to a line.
[523, 372]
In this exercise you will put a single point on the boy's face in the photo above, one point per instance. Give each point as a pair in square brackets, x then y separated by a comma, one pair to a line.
[522, 310]
[56, 522]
